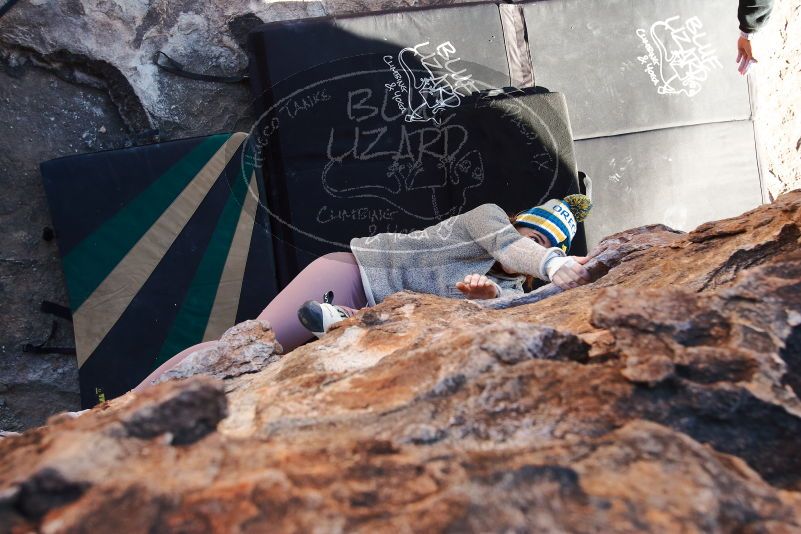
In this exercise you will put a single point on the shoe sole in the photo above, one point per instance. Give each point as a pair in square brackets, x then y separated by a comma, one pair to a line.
[310, 316]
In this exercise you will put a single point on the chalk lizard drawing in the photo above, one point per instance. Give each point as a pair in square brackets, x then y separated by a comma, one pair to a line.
[679, 57]
[429, 92]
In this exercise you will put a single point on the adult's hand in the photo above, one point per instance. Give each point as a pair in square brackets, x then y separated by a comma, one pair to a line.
[477, 286]
[569, 272]
[745, 55]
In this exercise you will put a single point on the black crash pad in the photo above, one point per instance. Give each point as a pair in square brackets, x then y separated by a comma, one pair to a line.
[681, 177]
[381, 126]
[162, 246]
[629, 66]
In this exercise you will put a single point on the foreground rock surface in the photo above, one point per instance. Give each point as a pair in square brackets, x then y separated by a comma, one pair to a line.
[662, 397]
[245, 348]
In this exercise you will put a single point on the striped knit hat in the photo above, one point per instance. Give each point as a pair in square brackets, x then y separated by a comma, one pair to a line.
[557, 219]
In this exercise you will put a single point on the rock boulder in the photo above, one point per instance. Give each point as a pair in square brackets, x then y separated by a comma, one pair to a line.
[663, 397]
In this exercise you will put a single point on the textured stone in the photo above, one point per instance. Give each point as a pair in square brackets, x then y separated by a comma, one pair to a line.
[87, 448]
[245, 348]
[661, 397]
[187, 413]
[42, 117]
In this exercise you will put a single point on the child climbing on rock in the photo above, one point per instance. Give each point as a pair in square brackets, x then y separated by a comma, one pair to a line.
[480, 254]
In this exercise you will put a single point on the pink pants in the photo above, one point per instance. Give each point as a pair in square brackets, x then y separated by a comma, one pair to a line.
[337, 272]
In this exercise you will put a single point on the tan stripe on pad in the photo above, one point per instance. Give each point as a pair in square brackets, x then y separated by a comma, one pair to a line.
[226, 301]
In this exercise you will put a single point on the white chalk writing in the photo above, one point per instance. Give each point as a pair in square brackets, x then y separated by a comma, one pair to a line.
[678, 57]
[428, 81]
[327, 214]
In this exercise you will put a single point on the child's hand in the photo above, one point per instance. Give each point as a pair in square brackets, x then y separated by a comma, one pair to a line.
[477, 286]
[569, 272]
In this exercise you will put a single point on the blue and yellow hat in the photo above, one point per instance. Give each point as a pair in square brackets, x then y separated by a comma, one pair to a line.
[557, 219]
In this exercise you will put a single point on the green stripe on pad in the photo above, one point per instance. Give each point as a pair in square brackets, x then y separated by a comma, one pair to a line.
[190, 324]
[91, 261]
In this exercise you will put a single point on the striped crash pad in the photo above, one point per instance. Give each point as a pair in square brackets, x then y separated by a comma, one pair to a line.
[162, 246]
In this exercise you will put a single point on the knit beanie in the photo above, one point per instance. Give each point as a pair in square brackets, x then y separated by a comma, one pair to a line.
[557, 219]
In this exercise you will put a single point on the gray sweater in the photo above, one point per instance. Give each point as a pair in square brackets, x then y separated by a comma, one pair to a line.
[434, 259]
